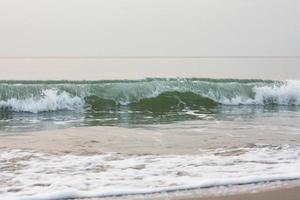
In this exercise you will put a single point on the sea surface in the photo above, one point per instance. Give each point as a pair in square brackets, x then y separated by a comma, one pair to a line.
[235, 107]
[39, 105]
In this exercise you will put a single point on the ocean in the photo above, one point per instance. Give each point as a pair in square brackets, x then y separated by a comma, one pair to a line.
[38, 105]
[232, 132]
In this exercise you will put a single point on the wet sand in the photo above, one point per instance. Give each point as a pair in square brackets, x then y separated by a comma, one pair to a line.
[278, 194]
[156, 140]
[287, 191]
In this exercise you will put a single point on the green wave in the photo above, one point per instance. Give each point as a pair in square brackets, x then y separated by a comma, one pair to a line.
[151, 94]
[124, 91]
[168, 101]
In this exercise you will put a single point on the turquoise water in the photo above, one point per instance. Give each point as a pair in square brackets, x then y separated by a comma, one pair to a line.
[38, 105]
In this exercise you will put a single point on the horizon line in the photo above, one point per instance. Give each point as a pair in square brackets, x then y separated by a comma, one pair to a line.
[144, 57]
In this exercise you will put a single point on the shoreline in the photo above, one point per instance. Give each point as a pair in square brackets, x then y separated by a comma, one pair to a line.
[290, 193]
[133, 147]
[287, 190]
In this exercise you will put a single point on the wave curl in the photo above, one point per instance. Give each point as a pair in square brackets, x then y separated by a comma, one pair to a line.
[155, 95]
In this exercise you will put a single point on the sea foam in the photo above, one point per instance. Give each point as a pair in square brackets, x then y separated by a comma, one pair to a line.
[50, 100]
[284, 94]
[32, 175]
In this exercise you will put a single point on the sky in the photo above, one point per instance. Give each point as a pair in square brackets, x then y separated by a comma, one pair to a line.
[133, 68]
[167, 28]
[158, 36]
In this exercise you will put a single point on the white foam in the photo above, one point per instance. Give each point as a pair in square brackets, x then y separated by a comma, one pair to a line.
[50, 100]
[285, 94]
[29, 175]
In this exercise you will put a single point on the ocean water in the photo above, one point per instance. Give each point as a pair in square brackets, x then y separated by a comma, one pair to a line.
[38, 105]
[231, 107]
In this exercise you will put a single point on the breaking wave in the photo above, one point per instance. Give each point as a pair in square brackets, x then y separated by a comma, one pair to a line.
[50, 100]
[155, 95]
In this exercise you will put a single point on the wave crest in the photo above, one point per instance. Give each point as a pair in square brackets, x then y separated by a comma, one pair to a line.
[50, 100]
[157, 95]
[286, 94]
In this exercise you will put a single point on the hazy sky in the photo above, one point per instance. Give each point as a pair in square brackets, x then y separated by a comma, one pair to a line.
[96, 69]
[149, 28]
